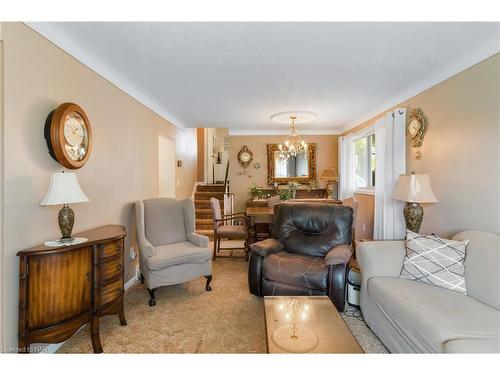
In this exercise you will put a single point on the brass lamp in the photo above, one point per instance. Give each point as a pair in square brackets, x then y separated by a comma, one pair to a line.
[414, 189]
[330, 174]
[64, 189]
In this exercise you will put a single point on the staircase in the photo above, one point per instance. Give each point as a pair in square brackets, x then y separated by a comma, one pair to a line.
[203, 213]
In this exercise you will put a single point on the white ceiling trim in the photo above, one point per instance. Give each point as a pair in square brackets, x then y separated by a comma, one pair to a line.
[236, 132]
[458, 67]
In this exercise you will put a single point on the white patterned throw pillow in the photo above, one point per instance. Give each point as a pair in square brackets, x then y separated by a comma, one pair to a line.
[435, 261]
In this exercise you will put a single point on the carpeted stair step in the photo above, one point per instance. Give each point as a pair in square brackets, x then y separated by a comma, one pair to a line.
[206, 195]
[204, 223]
[205, 203]
[203, 213]
[210, 188]
[206, 232]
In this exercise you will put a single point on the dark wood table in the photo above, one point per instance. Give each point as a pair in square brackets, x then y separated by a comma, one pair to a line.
[257, 215]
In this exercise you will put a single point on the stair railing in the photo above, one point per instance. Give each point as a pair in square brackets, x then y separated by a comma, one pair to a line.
[228, 197]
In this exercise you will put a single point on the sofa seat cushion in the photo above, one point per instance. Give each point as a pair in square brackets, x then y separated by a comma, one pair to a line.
[296, 270]
[429, 316]
[176, 254]
[231, 231]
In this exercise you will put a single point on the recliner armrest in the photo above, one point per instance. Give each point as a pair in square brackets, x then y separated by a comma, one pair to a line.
[338, 255]
[267, 247]
[146, 248]
[197, 239]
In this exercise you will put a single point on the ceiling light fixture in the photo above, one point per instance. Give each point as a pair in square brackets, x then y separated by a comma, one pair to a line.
[294, 146]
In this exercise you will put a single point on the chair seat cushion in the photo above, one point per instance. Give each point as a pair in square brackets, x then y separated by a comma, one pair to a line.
[430, 316]
[231, 231]
[176, 254]
[302, 271]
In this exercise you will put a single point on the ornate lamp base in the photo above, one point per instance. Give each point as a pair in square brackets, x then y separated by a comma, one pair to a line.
[413, 213]
[66, 219]
[329, 189]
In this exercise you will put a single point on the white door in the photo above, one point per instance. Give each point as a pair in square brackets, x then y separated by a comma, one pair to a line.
[166, 165]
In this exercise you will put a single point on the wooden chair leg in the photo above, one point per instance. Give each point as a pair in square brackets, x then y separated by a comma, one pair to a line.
[218, 244]
[215, 246]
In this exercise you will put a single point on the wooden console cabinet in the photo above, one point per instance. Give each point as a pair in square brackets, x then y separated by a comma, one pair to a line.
[64, 288]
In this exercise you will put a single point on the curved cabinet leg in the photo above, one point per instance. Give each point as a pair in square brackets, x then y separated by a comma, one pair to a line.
[121, 315]
[22, 346]
[152, 300]
[94, 335]
[142, 279]
[208, 288]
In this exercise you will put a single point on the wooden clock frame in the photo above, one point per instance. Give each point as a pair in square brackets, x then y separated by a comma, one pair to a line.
[54, 135]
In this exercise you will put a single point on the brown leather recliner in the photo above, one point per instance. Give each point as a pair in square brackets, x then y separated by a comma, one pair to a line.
[307, 255]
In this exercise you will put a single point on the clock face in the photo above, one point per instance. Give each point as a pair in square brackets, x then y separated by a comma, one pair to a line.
[75, 136]
[245, 156]
[414, 127]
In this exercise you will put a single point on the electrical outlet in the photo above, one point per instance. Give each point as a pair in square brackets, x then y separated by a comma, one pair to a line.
[132, 253]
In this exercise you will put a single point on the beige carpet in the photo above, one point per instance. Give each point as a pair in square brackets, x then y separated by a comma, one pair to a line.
[187, 319]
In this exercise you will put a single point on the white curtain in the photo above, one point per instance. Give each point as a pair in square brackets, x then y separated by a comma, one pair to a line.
[390, 156]
[346, 167]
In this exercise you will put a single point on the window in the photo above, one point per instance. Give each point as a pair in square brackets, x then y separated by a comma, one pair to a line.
[364, 162]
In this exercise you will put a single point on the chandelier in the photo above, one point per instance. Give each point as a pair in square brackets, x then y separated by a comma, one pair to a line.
[294, 146]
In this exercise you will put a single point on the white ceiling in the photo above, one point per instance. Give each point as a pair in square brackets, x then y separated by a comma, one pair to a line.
[235, 75]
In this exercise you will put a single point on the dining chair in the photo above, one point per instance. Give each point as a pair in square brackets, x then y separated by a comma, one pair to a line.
[224, 227]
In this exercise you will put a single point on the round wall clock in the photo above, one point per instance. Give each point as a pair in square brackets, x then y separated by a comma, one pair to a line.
[68, 135]
[416, 128]
[245, 156]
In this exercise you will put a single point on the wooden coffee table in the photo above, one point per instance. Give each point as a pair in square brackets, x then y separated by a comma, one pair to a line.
[303, 324]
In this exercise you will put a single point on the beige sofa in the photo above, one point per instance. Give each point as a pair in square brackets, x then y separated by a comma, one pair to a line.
[415, 317]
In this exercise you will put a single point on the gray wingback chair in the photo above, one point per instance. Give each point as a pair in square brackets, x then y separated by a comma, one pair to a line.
[170, 251]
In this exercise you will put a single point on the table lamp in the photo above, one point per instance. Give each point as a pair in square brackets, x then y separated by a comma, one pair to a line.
[414, 189]
[64, 189]
[329, 174]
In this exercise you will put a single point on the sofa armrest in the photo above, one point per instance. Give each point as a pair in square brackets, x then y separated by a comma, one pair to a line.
[197, 239]
[338, 255]
[147, 250]
[380, 258]
[267, 247]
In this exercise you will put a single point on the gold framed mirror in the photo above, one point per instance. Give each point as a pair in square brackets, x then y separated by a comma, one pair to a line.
[298, 169]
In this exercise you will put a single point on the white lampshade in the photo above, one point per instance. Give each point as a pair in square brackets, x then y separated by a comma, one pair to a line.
[414, 188]
[63, 189]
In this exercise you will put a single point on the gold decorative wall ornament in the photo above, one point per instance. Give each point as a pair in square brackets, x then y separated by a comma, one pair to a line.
[245, 156]
[416, 129]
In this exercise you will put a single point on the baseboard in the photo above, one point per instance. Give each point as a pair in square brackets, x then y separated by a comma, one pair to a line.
[134, 279]
[52, 348]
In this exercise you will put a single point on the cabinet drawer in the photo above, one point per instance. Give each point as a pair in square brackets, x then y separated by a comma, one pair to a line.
[110, 269]
[108, 293]
[110, 249]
